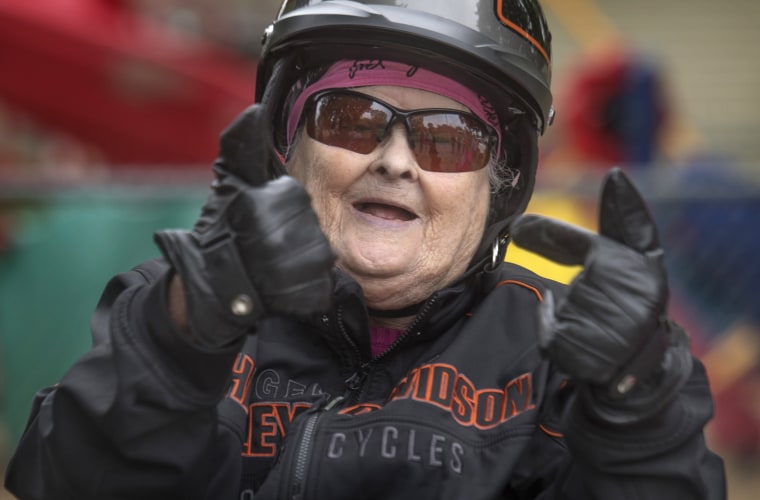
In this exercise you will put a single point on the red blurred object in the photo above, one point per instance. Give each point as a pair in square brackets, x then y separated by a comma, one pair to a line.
[614, 109]
[139, 93]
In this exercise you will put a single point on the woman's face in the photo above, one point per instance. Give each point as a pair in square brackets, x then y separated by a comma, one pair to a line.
[400, 231]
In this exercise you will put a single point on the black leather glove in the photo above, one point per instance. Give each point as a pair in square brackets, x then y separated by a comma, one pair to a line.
[257, 248]
[611, 333]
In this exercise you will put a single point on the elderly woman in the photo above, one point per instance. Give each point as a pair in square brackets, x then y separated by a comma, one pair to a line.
[345, 326]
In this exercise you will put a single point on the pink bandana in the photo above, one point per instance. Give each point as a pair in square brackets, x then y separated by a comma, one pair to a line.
[365, 73]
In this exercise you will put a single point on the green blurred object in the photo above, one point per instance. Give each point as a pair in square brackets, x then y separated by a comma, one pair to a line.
[63, 251]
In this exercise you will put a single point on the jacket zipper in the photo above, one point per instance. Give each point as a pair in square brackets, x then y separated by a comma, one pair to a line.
[355, 382]
[302, 457]
[345, 335]
[356, 379]
[303, 452]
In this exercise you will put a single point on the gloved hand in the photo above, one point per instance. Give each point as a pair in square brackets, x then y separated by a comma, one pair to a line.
[257, 249]
[611, 333]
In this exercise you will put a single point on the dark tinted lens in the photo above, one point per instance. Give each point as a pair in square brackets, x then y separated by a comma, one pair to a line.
[443, 141]
[347, 121]
[450, 142]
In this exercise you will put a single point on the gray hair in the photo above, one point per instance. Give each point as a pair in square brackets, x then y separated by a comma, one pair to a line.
[501, 176]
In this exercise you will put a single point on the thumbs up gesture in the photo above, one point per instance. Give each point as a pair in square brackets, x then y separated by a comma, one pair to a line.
[610, 332]
[256, 250]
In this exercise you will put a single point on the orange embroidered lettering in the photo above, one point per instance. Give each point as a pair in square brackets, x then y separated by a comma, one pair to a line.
[444, 386]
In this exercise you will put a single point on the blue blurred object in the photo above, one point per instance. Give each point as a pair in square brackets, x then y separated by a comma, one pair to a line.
[709, 222]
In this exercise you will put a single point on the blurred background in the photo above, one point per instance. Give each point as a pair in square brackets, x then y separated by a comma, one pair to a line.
[110, 111]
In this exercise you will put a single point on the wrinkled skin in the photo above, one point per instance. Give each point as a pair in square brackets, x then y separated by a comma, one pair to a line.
[400, 231]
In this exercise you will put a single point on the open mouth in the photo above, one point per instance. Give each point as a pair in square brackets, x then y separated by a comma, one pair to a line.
[384, 211]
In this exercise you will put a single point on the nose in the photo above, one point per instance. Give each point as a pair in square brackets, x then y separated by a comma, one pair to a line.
[395, 156]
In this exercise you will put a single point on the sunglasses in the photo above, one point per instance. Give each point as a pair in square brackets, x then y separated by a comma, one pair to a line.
[442, 140]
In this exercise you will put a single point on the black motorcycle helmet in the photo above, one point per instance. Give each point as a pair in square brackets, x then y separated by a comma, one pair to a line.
[499, 48]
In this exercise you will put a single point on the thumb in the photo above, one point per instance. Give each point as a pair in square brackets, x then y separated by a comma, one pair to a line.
[245, 147]
[554, 239]
[624, 216]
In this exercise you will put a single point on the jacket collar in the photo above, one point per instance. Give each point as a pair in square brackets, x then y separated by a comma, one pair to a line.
[437, 313]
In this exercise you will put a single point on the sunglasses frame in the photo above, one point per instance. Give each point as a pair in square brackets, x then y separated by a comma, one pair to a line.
[398, 115]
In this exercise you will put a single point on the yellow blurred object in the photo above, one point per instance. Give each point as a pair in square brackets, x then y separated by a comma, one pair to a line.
[586, 23]
[558, 207]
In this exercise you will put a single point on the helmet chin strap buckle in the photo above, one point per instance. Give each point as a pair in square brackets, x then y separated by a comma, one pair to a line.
[497, 252]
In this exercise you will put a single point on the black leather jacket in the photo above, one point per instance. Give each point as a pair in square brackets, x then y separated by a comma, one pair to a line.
[462, 406]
